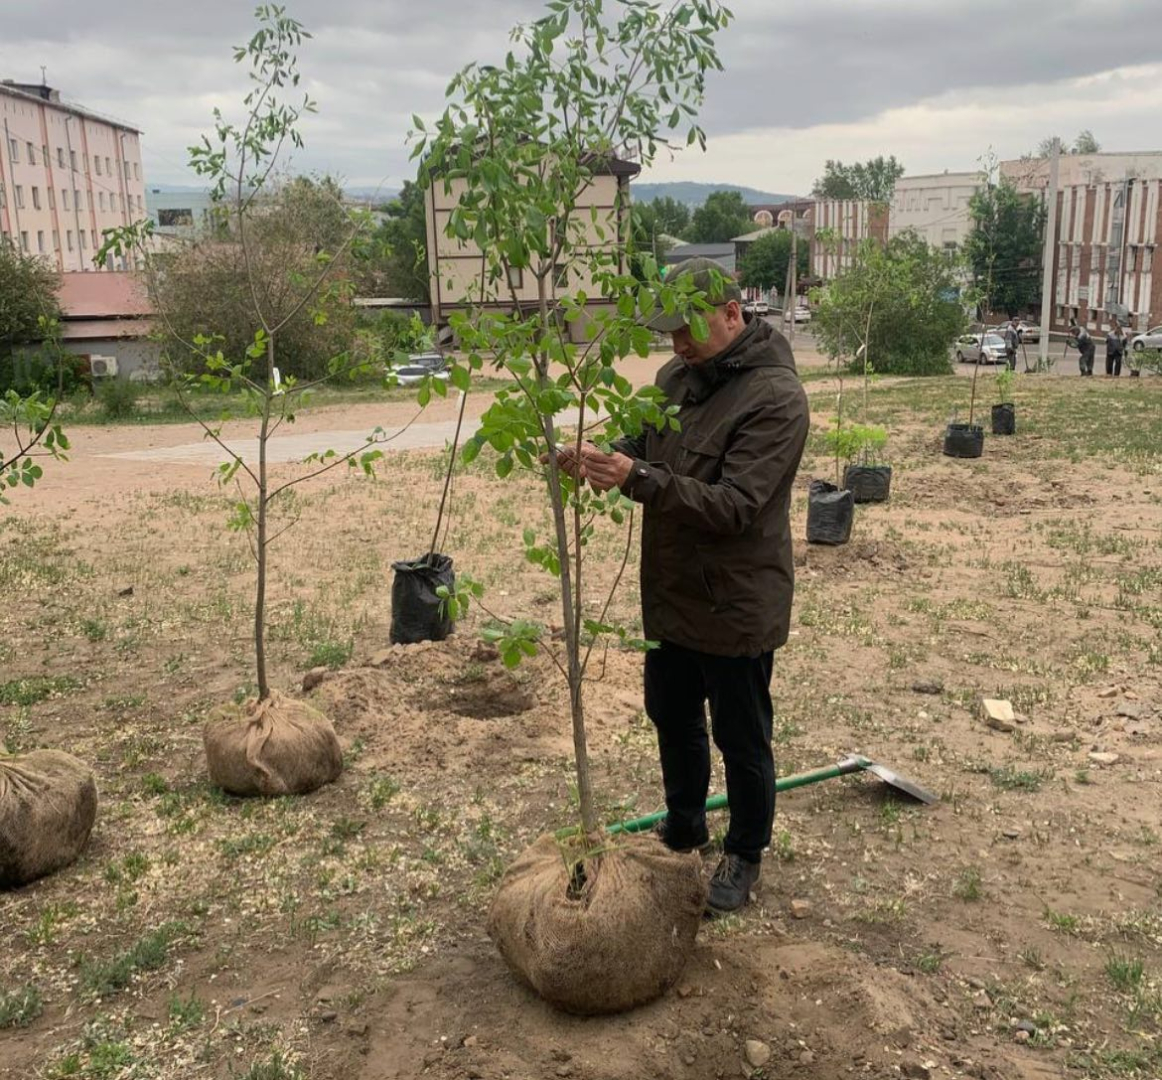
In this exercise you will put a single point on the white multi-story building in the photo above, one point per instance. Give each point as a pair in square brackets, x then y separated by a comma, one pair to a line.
[66, 175]
[935, 207]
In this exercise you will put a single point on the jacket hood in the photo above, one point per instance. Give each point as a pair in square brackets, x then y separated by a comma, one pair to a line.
[759, 345]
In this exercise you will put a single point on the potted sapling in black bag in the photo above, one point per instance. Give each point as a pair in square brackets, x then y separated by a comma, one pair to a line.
[1005, 412]
[831, 508]
[965, 440]
[860, 446]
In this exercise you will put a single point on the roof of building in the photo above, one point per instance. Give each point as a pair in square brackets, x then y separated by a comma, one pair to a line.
[951, 177]
[754, 234]
[102, 295]
[104, 329]
[46, 95]
[698, 251]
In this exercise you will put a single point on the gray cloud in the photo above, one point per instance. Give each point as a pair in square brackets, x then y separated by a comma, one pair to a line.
[163, 66]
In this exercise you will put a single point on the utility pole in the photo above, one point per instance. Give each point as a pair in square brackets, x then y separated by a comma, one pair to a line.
[1049, 250]
[791, 300]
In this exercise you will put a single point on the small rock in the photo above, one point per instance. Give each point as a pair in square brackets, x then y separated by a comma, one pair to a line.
[1021, 718]
[685, 990]
[471, 1041]
[485, 653]
[564, 1070]
[807, 1058]
[915, 1070]
[1131, 710]
[927, 686]
[689, 1059]
[329, 1017]
[359, 1029]
[127, 591]
[800, 909]
[1063, 736]
[1027, 1026]
[1109, 691]
[562, 1055]
[258, 1009]
[1102, 757]
[314, 677]
[1011, 833]
[1129, 695]
[1021, 1036]
[982, 1001]
[757, 1053]
[998, 714]
[384, 656]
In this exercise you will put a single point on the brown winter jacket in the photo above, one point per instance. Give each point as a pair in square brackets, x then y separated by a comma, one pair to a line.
[717, 572]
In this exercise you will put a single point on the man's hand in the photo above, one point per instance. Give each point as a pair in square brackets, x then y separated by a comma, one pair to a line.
[567, 459]
[607, 471]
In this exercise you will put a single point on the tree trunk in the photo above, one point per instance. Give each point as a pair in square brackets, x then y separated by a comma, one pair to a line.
[569, 610]
[260, 554]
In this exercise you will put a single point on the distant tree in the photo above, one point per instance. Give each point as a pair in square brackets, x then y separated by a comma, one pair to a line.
[873, 180]
[398, 265]
[723, 216]
[765, 263]
[28, 303]
[1003, 247]
[1085, 143]
[898, 302]
[648, 239]
[673, 217]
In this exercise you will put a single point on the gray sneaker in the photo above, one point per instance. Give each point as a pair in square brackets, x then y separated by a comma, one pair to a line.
[731, 885]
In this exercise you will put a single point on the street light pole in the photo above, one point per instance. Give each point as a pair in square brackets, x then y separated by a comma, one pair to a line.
[1047, 253]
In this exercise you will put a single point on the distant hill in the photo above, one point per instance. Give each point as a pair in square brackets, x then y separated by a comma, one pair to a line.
[694, 194]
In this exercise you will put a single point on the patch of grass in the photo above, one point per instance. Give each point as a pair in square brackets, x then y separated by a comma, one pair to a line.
[968, 884]
[35, 689]
[252, 844]
[104, 977]
[19, 1007]
[331, 654]
[930, 961]
[185, 1013]
[1010, 779]
[275, 1067]
[381, 790]
[153, 784]
[1031, 957]
[1124, 972]
[1058, 920]
[94, 629]
[44, 930]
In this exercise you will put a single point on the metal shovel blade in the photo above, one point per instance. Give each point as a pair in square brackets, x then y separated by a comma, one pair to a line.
[895, 780]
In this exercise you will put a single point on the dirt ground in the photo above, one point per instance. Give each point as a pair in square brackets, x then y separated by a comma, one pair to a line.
[1013, 930]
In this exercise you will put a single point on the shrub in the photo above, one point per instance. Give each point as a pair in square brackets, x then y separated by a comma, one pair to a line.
[118, 398]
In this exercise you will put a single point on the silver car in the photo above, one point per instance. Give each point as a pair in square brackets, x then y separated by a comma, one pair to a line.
[970, 350]
[1151, 339]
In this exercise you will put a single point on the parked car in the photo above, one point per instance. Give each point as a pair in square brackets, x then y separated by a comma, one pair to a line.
[970, 350]
[1151, 339]
[1029, 333]
[802, 315]
[419, 367]
[757, 307]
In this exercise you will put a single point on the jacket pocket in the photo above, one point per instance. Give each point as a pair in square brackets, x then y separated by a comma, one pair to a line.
[701, 454]
[715, 584]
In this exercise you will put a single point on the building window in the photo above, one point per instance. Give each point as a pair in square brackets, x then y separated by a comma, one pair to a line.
[51, 198]
[60, 156]
[77, 200]
[136, 171]
[24, 241]
[14, 151]
[561, 276]
[31, 153]
[40, 241]
[94, 238]
[139, 208]
[516, 278]
[101, 196]
[73, 160]
[65, 198]
[127, 175]
[97, 163]
[81, 238]
[69, 239]
[19, 189]
[35, 198]
[108, 167]
[56, 240]
[45, 159]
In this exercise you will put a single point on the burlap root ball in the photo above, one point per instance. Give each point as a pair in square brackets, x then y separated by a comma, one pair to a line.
[48, 803]
[621, 941]
[276, 747]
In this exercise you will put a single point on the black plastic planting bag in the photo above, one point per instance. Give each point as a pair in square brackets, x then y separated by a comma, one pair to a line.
[829, 514]
[417, 613]
[1004, 419]
[964, 440]
[868, 483]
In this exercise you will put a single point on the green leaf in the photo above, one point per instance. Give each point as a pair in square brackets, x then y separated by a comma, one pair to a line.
[504, 466]
[460, 378]
[699, 327]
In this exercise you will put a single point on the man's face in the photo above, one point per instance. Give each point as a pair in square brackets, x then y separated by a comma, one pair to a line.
[725, 323]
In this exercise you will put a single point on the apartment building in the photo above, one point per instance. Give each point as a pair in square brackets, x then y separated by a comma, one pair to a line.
[66, 175]
[935, 207]
[839, 227]
[456, 267]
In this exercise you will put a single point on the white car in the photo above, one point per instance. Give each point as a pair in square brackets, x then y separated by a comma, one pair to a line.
[1029, 332]
[419, 367]
[802, 315]
[1151, 339]
[758, 307]
[971, 349]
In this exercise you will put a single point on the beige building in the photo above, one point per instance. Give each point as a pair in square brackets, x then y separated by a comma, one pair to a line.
[1032, 174]
[66, 175]
[935, 207]
[845, 224]
[456, 267]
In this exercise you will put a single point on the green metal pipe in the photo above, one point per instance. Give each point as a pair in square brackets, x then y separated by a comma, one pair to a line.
[848, 765]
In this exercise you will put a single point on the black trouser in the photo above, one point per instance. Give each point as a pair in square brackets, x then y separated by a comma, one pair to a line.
[1113, 362]
[1085, 357]
[679, 683]
[1011, 359]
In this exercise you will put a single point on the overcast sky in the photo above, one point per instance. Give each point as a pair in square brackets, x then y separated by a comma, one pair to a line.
[935, 82]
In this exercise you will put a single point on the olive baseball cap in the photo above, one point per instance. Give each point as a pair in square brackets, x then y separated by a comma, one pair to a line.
[707, 276]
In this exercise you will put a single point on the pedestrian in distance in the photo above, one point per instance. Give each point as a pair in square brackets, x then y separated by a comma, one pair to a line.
[1115, 348]
[717, 568]
[1012, 342]
[1086, 349]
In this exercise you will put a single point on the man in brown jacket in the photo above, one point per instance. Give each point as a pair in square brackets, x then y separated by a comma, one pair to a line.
[717, 573]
